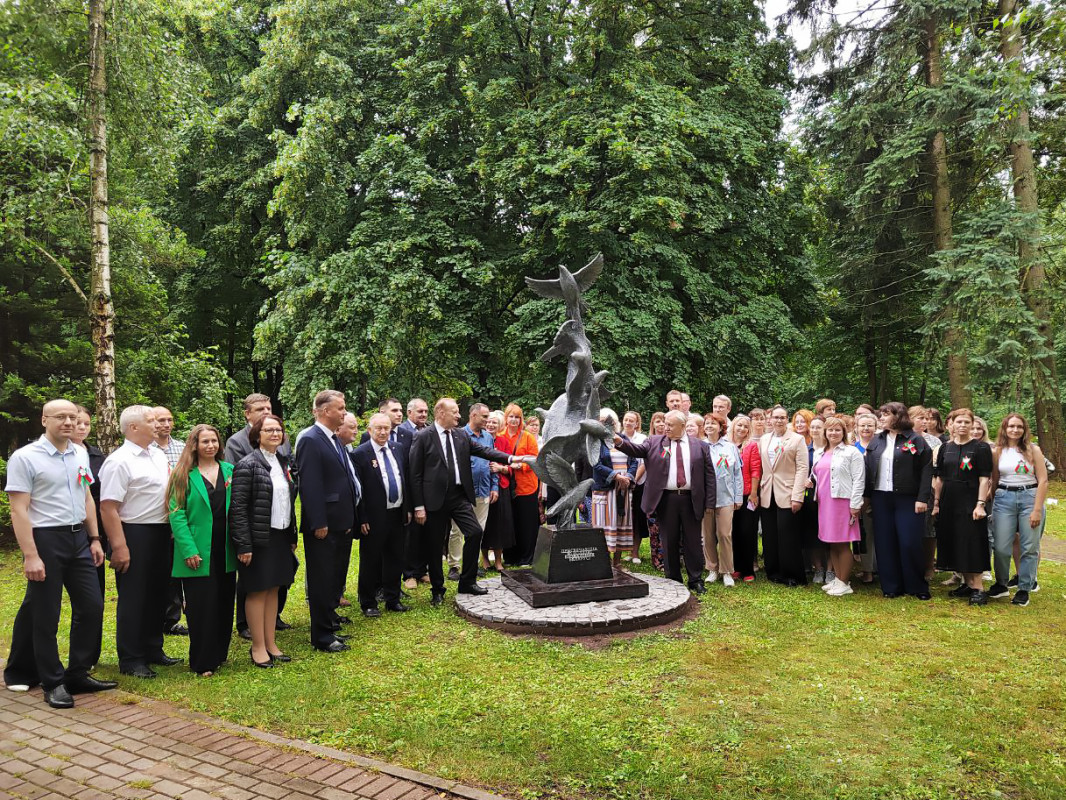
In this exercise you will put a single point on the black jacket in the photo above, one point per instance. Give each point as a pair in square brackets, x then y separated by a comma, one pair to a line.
[252, 495]
[912, 465]
[428, 470]
[374, 505]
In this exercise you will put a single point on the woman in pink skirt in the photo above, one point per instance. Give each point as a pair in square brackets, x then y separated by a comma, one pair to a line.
[839, 482]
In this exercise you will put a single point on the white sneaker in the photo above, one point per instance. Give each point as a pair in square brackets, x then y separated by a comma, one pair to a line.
[712, 577]
[840, 589]
[17, 687]
[727, 580]
[635, 560]
[819, 577]
[986, 576]
[828, 587]
[830, 575]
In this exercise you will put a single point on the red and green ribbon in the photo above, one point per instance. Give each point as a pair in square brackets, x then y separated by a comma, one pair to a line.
[908, 447]
[84, 478]
[966, 466]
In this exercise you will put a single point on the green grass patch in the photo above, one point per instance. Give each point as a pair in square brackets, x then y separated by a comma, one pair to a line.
[770, 692]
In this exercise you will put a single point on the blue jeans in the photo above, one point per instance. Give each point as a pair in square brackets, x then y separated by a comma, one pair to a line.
[1010, 515]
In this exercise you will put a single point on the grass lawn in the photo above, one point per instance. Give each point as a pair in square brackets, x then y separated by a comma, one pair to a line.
[770, 692]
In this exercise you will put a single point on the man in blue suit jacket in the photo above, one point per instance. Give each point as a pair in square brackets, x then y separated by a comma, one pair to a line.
[329, 500]
[381, 467]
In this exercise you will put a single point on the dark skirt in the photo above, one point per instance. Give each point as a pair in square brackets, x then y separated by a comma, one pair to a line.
[962, 541]
[499, 529]
[271, 565]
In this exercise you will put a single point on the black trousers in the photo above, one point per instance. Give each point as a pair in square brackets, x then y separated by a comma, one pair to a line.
[320, 561]
[435, 533]
[677, 524]
[242, 596]
[209, 611]
[640, 519]
[175, 599]
[34, 656]
[142, 594]
[745, 540]
[414, 557]
[782, 544]
[381, 561]
[525, 511]
[344, 562]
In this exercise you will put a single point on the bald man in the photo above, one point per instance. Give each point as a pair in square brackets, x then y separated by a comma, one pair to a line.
[442, 491]
[54, 517]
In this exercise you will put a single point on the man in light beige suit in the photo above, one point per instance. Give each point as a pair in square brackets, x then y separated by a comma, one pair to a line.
[784, 474]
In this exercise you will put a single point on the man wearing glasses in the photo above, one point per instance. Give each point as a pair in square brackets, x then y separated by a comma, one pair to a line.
[54, 518]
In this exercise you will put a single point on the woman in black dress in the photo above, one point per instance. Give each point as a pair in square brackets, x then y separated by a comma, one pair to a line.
[499, 528]
[961, 474]
[263, 528]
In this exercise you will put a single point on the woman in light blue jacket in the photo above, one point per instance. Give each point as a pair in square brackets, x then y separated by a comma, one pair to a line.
[718, 527]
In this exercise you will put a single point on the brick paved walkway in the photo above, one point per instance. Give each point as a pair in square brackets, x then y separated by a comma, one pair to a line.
[116, 745]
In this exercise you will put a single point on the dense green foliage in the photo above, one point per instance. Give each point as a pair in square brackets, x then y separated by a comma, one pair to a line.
[349, 194]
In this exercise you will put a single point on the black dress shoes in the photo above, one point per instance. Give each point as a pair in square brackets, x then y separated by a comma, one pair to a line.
[282, 625]
[268, 664]
[396, 607]
[245, 634]
[164, 660]
[342, 637]
[923, 596]
[88, 683]
[436, 600]
[472, 589]
[58, 697]
[334, 647]
[698, 587]
[177, 630]
[343, 620]
[371, 613]
[138, 671]
[280, 658]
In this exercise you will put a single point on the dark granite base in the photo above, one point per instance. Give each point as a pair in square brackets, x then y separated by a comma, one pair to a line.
[539, 594]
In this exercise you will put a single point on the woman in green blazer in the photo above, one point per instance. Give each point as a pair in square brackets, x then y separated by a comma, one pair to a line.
[204, 559]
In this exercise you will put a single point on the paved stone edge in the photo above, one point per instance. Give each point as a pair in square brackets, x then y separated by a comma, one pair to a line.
[320, 751]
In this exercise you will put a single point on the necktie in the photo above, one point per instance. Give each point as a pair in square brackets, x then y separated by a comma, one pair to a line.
[347, 467]
[449, 454]
[679, 459]
[392, 436]
[394, 490]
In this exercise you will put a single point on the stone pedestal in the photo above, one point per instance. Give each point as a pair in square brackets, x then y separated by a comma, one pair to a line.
[571, 566]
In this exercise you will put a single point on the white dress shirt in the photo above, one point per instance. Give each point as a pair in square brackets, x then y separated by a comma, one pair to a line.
[383, 470]
[686, 457]
[136, 478]
[280, 508]
[446, 442]
[55, 481]
[884, 471]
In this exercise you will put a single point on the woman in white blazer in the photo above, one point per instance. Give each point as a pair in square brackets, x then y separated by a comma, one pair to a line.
[839, 483]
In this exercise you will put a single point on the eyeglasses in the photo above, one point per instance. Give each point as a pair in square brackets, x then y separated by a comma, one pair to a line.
[62, 417]
[271, 430]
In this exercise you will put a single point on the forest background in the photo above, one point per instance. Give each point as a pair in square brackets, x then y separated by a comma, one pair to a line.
[204, 198]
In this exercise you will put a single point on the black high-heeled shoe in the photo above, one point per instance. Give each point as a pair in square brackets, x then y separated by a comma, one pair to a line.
[262, 665]
[281, 658]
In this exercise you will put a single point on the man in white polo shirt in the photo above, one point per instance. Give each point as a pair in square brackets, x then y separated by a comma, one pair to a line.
[133, 506]
[54, 518]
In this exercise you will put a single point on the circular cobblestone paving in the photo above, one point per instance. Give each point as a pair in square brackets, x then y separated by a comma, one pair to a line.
[503, 610]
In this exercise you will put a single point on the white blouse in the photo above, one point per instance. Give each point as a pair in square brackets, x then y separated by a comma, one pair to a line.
[280, 509]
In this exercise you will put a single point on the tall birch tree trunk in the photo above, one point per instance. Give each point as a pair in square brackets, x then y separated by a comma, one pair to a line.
[101, 309]
[1047, 399]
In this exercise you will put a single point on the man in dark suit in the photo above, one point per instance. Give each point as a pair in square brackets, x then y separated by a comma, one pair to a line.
[329, 500]
[442, 491]
[256, 406]
[679, 489]
[414, 566]
[381, 466]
